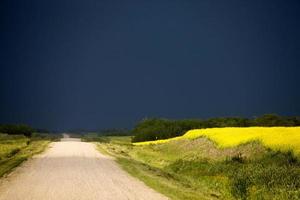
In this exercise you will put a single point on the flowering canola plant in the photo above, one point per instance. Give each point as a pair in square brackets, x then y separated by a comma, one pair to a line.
[277, 138]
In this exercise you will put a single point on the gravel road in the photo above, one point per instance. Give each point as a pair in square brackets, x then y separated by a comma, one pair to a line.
[73, 170]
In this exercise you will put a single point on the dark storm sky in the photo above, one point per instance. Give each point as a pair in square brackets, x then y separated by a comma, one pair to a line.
[101, 64]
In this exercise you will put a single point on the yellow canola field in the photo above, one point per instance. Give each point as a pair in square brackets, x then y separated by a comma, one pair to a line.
[277, 138]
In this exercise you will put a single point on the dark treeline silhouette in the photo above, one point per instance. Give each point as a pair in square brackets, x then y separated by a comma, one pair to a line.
[102, 132]
[103, 135]
[17, 129]
[32, 133]
[43, 130]
[155, 129]
[115, 132]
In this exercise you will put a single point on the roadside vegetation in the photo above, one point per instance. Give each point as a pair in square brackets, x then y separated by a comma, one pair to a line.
[18, 143]
[211, 162]
[197, 169]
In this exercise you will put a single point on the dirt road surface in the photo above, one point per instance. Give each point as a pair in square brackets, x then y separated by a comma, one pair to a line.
[73, 170]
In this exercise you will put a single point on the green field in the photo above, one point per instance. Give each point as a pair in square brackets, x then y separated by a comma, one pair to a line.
[14, 149]
[197, 169]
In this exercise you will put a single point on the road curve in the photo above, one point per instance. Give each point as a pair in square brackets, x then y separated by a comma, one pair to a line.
[73, 170]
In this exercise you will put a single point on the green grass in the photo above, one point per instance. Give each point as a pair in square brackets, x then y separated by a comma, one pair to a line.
[14, 149]
[196, 169]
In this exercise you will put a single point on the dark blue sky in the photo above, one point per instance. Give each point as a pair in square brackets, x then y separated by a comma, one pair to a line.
[102, 64]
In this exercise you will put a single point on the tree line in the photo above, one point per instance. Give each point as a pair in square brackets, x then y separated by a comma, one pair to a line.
[155, 129]
[16, 129]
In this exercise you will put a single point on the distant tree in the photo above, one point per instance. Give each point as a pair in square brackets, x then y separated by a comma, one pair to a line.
[42, 130]
[115, 132]
[19, 129]
[275, 120]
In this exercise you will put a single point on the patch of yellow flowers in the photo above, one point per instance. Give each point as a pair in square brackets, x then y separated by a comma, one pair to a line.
[277, 138]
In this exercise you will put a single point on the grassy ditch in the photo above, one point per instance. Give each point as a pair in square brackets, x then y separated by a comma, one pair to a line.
[196, 169]
[14, 149]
